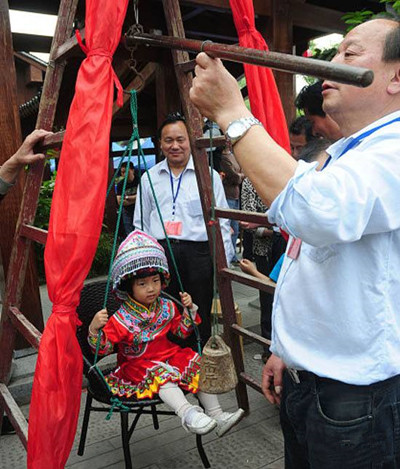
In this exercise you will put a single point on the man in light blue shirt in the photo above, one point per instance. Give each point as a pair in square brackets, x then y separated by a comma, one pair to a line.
[177, 193]
[336, 318]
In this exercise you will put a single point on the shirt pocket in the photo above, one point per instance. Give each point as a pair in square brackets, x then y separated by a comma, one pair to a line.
[318, 255]
[194, 208]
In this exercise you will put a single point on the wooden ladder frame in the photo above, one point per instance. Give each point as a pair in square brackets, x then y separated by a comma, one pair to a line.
[184, 74]
[12, 319]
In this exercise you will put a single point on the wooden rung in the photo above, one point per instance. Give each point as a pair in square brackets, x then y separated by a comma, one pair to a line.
[25, 327]
[186, 67]
[241, 277]
[250, 335]
[53, 141]
[69, 48]
[217, 141]
[250, 381]
[33, 233]
[14, 414]
[242, 215]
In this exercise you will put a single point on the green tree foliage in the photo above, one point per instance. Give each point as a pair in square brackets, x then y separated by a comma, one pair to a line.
[101, 260]
[391, 10]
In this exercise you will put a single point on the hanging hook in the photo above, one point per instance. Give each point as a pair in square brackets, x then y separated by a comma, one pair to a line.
[136, 10]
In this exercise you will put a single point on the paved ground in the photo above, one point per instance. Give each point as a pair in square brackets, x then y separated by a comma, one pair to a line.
[256, 442]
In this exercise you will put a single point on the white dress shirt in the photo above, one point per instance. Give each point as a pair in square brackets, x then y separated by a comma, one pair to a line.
[188, 205]
[337, 306]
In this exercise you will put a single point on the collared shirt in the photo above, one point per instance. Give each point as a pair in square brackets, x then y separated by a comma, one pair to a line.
[188, 208]
[337, 309]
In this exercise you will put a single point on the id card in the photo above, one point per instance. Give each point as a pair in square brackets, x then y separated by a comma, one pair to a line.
[173, 228]
[294, 248]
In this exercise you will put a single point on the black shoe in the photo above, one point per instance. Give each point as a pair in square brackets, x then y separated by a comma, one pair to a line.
[7, 428]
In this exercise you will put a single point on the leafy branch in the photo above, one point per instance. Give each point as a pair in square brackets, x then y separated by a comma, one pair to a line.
[354, 18]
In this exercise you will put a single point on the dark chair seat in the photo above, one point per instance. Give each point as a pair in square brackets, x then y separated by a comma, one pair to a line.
[92, 298]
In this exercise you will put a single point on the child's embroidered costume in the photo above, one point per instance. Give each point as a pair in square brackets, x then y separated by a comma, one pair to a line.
[147, 359]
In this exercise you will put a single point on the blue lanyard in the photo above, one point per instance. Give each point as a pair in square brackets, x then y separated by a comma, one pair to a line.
[174, 194]
[358, 139]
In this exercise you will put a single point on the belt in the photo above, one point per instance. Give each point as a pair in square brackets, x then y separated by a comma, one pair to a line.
[299, 376]
[181, 241]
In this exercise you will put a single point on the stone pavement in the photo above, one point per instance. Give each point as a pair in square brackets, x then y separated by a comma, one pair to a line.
[255, 443]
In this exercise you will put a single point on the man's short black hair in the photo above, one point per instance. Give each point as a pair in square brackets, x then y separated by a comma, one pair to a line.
[130, 165]
[310, 99]
[313, 149]
[301, 125]
[391, 48]
[171, 119]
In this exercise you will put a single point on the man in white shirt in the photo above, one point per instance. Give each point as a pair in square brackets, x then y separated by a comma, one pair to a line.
[336, 318]
[177, 194]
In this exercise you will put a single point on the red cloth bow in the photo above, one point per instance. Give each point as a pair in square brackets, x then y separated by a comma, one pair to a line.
[263, 93]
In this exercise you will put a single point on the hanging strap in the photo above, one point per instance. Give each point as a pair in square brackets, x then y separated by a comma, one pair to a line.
[115, 402]
[213, 223]
[141, 158]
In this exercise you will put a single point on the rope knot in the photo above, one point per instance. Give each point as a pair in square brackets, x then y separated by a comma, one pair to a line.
[115, 402]
[102, 53]
[99, 52]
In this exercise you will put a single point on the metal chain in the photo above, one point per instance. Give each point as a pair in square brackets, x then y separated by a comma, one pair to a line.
[135, 29]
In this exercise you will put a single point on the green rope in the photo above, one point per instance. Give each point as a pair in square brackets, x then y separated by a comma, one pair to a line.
[213, 221]
[142, 158]
[115, 402]
[162, 224]
[115, 241]
[114, 248]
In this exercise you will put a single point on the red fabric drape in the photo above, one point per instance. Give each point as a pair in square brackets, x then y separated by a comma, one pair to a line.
[75, 224]
[263, 94]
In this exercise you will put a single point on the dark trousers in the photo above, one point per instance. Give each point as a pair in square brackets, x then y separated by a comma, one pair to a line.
[247, 241]
[195, 268]
[266, 300]
[127, 219]
[328, 424]
[265, 266]
[277, 249]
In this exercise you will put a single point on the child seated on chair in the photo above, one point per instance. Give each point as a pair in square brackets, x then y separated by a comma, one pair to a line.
[148, 362]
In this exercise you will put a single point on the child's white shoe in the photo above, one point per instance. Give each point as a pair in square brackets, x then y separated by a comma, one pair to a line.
[227, 420]
[196, 421]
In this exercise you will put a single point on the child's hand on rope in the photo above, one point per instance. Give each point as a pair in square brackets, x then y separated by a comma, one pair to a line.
[100, 320]
[186, 300]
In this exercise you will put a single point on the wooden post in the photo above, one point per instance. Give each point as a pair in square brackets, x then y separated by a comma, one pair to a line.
[10, 140]
[282, 41]
[167, 93]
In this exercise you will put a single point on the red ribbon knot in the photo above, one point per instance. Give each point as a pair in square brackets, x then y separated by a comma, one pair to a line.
[99, 52]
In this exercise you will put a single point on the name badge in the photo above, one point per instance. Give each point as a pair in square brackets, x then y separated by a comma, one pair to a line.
[294, 248]
[173, 228]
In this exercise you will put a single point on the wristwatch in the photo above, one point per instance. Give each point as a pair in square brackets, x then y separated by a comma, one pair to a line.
[238, 128]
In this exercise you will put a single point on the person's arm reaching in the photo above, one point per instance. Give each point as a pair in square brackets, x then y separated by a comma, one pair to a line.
[216, 93]
[24, 155]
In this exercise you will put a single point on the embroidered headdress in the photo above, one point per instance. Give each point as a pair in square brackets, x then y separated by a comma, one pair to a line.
[138, 254]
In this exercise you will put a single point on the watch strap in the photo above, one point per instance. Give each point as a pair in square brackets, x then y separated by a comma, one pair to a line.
[247, 123]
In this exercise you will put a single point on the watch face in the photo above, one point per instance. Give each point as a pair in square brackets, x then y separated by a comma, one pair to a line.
[236, 129]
